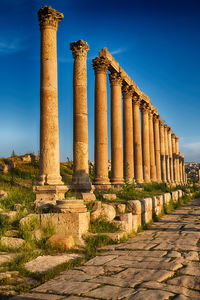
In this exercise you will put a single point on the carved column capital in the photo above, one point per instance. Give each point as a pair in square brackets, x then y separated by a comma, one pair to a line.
[173, 136]
[115, 78]
[100, 64]
[156, 118]
[144, 106]
[127, 90]
[136, 99]
[49, 17]
[79, 48]
[162, 122]
[177, 138]
[169, 130]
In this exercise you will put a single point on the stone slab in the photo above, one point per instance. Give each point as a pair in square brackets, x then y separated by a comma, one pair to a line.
[110, 292]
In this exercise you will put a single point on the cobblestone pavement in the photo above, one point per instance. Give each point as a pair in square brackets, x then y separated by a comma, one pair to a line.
[159, 263]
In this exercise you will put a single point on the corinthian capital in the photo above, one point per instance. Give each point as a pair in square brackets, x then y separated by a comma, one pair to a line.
[162, 122]
[136, 99]
[156, 117]
[48, 16]
[100, 64]
[127, 90]
[115, 78]
[79, 48]
[144, 107]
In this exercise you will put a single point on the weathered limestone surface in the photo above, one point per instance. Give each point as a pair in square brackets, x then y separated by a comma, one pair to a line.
[157, 146]
[145, 141]
[153, 176]
[80, 178]
[116, 129]
[159, 263]
[167, 153]
[162, 151]
[100, 65]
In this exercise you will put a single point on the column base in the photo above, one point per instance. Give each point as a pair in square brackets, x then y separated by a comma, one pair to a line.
[139, 181]
[46, 195]
[81, 182]
[117, 181]
[101, 181]
[50, 180]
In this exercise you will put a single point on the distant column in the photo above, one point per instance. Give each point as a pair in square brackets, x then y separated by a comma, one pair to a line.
[167, 153]
[174, 158]
[128, 133]
[181, 167]
[145, 141]
[177, 158]
[116, 129]
[170, 154]
[152, 148]
[100, 65]
[157, 146]
[49, 135]
[80, 178]
[137, 140]
[162, 151]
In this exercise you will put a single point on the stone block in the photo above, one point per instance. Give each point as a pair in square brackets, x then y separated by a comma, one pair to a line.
[180, 194]
[74, 206]
[106, 211]
[134, 206]
[88, 196]
[128, 220]
[121, 208]
[174, 196]
[157, 205]
[11, 242]
[109, 197]
[8, 216]
[166, 198]
[136, 222]
[49, 193]
[146, 210]
[58, 241]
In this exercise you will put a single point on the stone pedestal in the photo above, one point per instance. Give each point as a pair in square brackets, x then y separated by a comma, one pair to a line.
[80, 178]
[153, 176]
[48, 194]
[128, 133]
[162, 151]
[145, 141]
[157, 146]
[100, 65]
[116, 129]
[137, 140]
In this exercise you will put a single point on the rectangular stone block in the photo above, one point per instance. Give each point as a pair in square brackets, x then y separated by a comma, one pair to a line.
[136, 222]
[157, 205]
[174, 196]
[128, 220]
[166, 198]
[180, 194]
[146, 210]
[88, 196]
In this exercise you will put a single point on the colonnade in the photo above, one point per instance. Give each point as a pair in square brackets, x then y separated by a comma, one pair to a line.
[142, 150]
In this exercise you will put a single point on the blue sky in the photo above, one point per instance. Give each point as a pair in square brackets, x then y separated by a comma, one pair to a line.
[156, 42]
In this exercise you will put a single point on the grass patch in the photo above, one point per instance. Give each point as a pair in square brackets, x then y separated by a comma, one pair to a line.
[102, 225]
[92, 243]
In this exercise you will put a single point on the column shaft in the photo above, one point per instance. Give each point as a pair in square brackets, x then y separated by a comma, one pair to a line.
[80, 178]
[177, 159]
[152, 148]
[167, 153]
[157, 147]
[49, 135]
[128, 133]
[137, 140]
[170, 154]
[116, 129]
[101, 132]
[162, 151]
[145, 141]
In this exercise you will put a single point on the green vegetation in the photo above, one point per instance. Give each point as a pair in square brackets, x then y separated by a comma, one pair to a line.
[93, 243]
[102, 225]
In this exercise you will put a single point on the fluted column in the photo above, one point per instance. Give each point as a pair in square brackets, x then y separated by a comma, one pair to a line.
[116, 129]
[80, 178]
[162, 150]
[153, 176]
[145, 141]
[128, 133]
[137, 140]
[177, 159]
[170, 154]
[167, 153]
[49, 134]
[100, 65]
[157, 146]
[181, 168]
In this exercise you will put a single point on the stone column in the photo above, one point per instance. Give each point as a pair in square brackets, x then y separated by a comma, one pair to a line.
[116, 129]
[181, 168]
[174, 158]
[177, 159]
[152, 148]
[137, 140]
[162, 151]
[49, 180]
[128, 133]
[170, 154]
[157, 146]
[167, 153]
[80, 178]
[145, 141]
[100, 65]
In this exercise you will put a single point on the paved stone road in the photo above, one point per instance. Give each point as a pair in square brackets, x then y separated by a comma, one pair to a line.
[160, 263]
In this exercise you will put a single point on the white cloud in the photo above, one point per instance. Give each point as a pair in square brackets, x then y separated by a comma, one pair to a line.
[118, 51]
[9, 47]
[191, 151]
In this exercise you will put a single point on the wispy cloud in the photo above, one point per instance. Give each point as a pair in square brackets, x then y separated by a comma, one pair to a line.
[11, 46]
[118, 51]
[191, 151]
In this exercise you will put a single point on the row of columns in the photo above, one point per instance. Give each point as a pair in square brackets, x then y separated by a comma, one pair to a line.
[147, 152]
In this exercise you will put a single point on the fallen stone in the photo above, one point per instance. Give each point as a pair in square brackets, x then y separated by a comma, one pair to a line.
[11, 242]
[61, 242]
[43, 264]
[106, 211]
[121, 208]
[134, 206]
[12, 233]
[88, 196]
[3, 194]
[8, 216]
[109, 197]
[6, 257]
